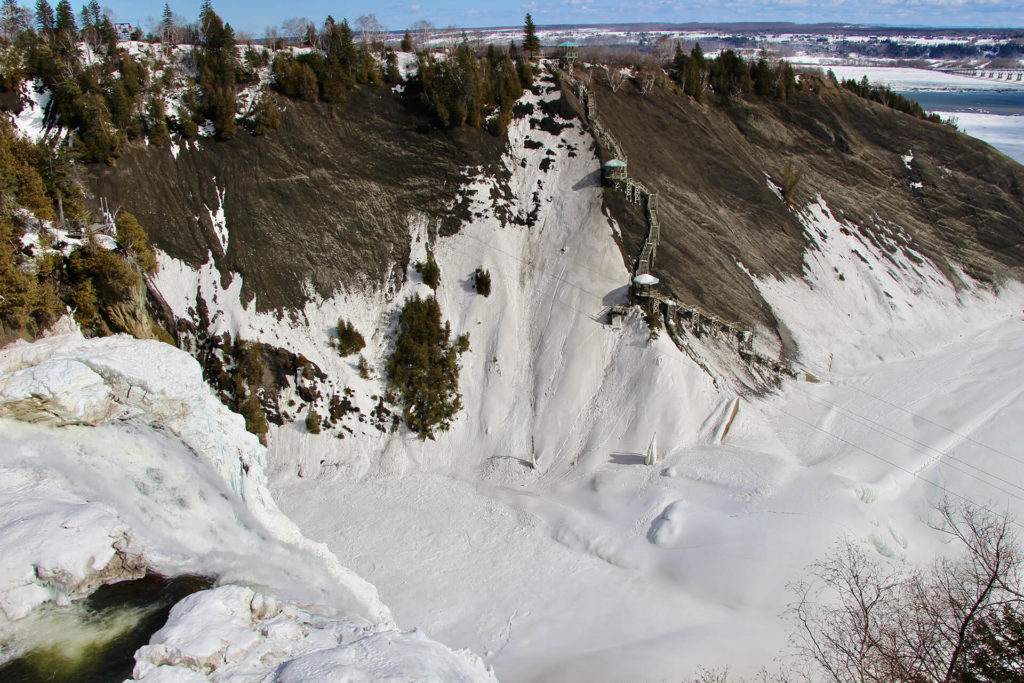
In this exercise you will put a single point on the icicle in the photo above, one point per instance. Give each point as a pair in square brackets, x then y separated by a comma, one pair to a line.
[652, 452]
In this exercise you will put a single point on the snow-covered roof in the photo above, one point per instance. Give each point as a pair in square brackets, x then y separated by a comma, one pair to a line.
[615, 163]
[645, 279]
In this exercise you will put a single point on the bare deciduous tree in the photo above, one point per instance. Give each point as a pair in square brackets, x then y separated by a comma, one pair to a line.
[422, 33]
[294, 29]
[664, 49]
[371, 31]
[861, 619]
[646, 79]
[585, 76]
[13, 20]
[270, 38]
[615, 77]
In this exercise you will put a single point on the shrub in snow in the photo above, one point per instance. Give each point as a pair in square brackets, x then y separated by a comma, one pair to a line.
[349, 339]
[255, 420]
[313, 422]
[483, 282]
[430, 271]
[653, 321]
[250, 367]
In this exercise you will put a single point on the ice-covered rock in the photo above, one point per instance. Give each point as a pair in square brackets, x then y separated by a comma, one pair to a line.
[56, 546]
[106, 437]
[117, 457]
[232, 631]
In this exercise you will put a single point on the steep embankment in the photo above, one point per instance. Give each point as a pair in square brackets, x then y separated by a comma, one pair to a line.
[324, 199]
[897, 180]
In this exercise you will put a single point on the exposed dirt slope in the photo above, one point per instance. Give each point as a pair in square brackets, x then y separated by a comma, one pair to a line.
[324, 198]
[327, 196]
[709, 162]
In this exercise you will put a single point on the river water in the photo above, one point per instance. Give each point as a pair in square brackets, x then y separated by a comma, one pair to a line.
[997, 117]
[94, 641]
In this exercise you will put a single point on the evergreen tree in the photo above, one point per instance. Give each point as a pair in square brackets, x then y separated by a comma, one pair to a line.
[423, 370]
[392, 74]
[159, 135]
[166, 24]
[44, 17]
[531, 43]
[406, 45]
[267, 115]
[218, 73]
[91, 14]
[65, 21]
[133, 239]
[350, 340]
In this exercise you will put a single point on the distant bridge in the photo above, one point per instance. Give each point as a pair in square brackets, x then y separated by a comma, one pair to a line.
[995, 74]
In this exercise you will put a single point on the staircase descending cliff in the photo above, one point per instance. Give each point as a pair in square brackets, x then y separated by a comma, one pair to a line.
[676, 316]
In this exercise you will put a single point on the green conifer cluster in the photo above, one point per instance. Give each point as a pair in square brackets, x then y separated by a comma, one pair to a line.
[883, 94]
[349, 339]
[464, 89]
[729, 74]
[423, 371]
[328, 74]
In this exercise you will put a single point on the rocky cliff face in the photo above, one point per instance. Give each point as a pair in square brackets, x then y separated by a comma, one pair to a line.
[327, 198]
[901, 181]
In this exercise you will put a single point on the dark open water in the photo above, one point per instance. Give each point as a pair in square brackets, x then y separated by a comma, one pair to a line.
[1002, 103]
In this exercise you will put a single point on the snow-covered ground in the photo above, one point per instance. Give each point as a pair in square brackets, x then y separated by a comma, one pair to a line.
[533, 533]
[596, 567]
[30, 121]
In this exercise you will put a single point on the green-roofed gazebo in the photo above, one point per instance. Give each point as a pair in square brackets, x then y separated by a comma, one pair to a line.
[614, 170]
[568, 52]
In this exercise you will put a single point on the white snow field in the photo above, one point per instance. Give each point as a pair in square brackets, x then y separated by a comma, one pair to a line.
[117, 458]
[593, 566]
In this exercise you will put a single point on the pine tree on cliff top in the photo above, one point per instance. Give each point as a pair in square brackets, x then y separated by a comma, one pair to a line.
[531, 43]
